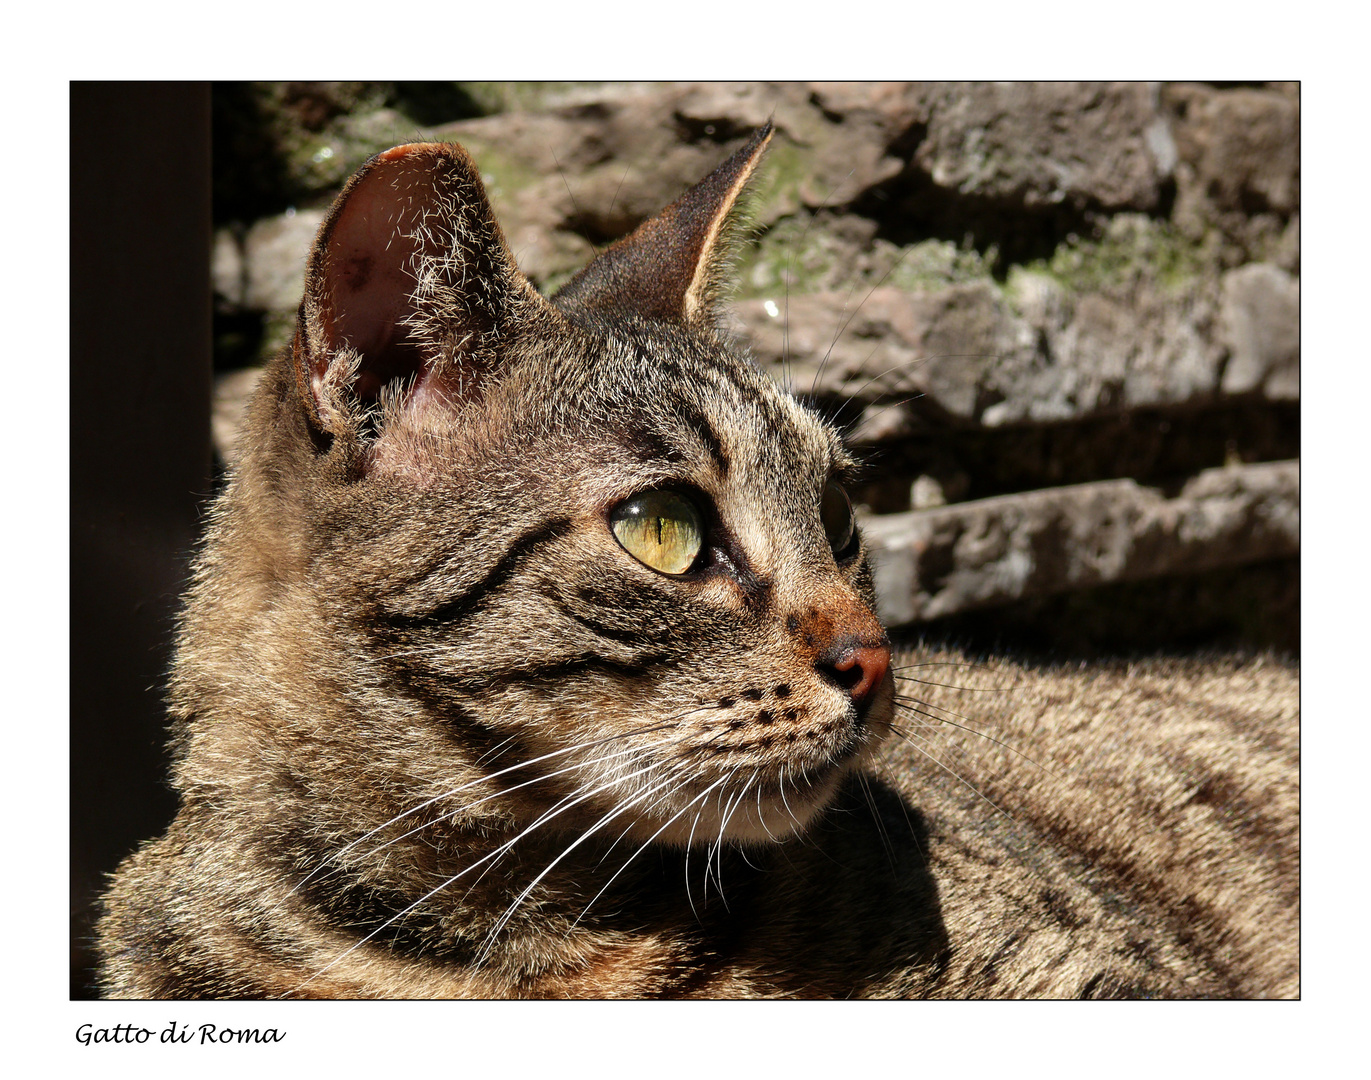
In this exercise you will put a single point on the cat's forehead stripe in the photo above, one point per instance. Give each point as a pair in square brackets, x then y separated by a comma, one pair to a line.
[698, 421]
[718, 403]
[760, 425]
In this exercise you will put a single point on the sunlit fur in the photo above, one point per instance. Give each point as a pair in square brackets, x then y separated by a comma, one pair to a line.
[437, 732]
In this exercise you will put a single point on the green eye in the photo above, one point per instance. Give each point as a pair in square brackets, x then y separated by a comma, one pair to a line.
[660, 529]
[835, 511]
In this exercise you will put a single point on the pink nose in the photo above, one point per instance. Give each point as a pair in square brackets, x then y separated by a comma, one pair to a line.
[862, 668]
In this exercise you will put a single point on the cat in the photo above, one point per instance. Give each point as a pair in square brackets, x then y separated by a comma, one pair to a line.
[532, 652]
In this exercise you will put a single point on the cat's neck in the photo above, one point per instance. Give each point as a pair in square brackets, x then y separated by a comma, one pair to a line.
[494, 906]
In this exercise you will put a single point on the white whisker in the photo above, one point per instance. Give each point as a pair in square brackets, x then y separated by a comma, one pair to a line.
[462, 873]
[952, 772]
[916, 706]
[646, 843]
[509, 911]
[460, 788]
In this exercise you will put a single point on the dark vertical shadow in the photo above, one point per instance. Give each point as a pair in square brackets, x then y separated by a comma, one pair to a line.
[140, 452]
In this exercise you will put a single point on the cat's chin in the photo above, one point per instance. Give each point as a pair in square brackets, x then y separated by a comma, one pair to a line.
[774, 818]
[759, 812]
[755, 816]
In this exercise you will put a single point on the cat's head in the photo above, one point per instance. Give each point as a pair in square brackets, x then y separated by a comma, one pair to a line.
[584, 532]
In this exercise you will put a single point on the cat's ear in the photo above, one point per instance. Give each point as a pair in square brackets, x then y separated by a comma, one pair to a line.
[410, 285]
[675, 266]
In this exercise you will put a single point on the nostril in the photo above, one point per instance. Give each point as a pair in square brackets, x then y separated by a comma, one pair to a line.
[858, 669]
[846, 677]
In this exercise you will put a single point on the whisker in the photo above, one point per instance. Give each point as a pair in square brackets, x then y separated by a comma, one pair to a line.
[690, 846]
[466, 870]
[495, 751]
[643, 847]
[934, 735]
[633, 750]
[913, 833]
[951, 772]
[836, 418]
[615, 197]
[761, 816]
[784, 801]
[586, 835]
[629, 827]
[865, 784]
[710, 848]
[785, 325]
[866, 417]
[911, 703]
[575, 209]
[733, 805]
[658, 726]
[954, 686]
[565, 803]
[819, 371]
[843, 329]
[463, 787]
[938, 663]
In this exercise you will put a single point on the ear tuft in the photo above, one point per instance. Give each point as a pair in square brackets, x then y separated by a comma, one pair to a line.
[675, 266]
[410, 283]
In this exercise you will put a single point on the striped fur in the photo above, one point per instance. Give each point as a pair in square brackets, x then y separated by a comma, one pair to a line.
[439, 734]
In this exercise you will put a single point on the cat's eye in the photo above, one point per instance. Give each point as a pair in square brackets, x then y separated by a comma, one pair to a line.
[661, 529]
[835, 511]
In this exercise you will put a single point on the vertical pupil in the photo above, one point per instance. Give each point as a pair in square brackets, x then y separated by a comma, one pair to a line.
[836, 513]
[661, 529]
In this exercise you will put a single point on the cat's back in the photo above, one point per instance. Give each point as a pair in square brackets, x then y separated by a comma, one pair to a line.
[1116, 829]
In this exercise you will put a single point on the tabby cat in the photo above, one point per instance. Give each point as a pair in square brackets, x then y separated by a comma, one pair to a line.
[532, 653]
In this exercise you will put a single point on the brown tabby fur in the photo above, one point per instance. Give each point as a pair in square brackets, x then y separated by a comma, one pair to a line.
[412, 636]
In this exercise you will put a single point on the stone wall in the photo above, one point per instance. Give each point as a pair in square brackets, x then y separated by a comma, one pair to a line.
[1061, 321]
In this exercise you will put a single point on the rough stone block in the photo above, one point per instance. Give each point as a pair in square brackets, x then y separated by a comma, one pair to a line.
[1044, 143]
[266, 272]
[930, 563]
[1260, 326]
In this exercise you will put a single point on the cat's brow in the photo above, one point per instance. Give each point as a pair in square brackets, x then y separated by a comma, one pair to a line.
[698, 422]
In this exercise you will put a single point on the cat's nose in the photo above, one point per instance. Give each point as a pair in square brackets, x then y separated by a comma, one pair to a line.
[856, 666]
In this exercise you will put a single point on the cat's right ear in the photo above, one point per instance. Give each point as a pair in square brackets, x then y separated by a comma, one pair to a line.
[410, 285]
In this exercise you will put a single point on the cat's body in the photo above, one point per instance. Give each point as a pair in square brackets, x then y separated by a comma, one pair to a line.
[532, 653]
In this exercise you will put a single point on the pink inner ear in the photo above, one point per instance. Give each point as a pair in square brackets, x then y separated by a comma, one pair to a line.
[368, 275]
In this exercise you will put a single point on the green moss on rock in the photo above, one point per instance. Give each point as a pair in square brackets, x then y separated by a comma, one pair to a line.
[814, 255]
[1132, 248]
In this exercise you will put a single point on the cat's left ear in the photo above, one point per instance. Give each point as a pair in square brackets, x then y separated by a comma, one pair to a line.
[675, 267]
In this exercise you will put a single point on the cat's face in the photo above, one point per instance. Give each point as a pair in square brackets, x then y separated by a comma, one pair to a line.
[583, 541]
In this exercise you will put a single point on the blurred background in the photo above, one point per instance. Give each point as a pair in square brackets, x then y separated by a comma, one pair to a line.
[1059, 321]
